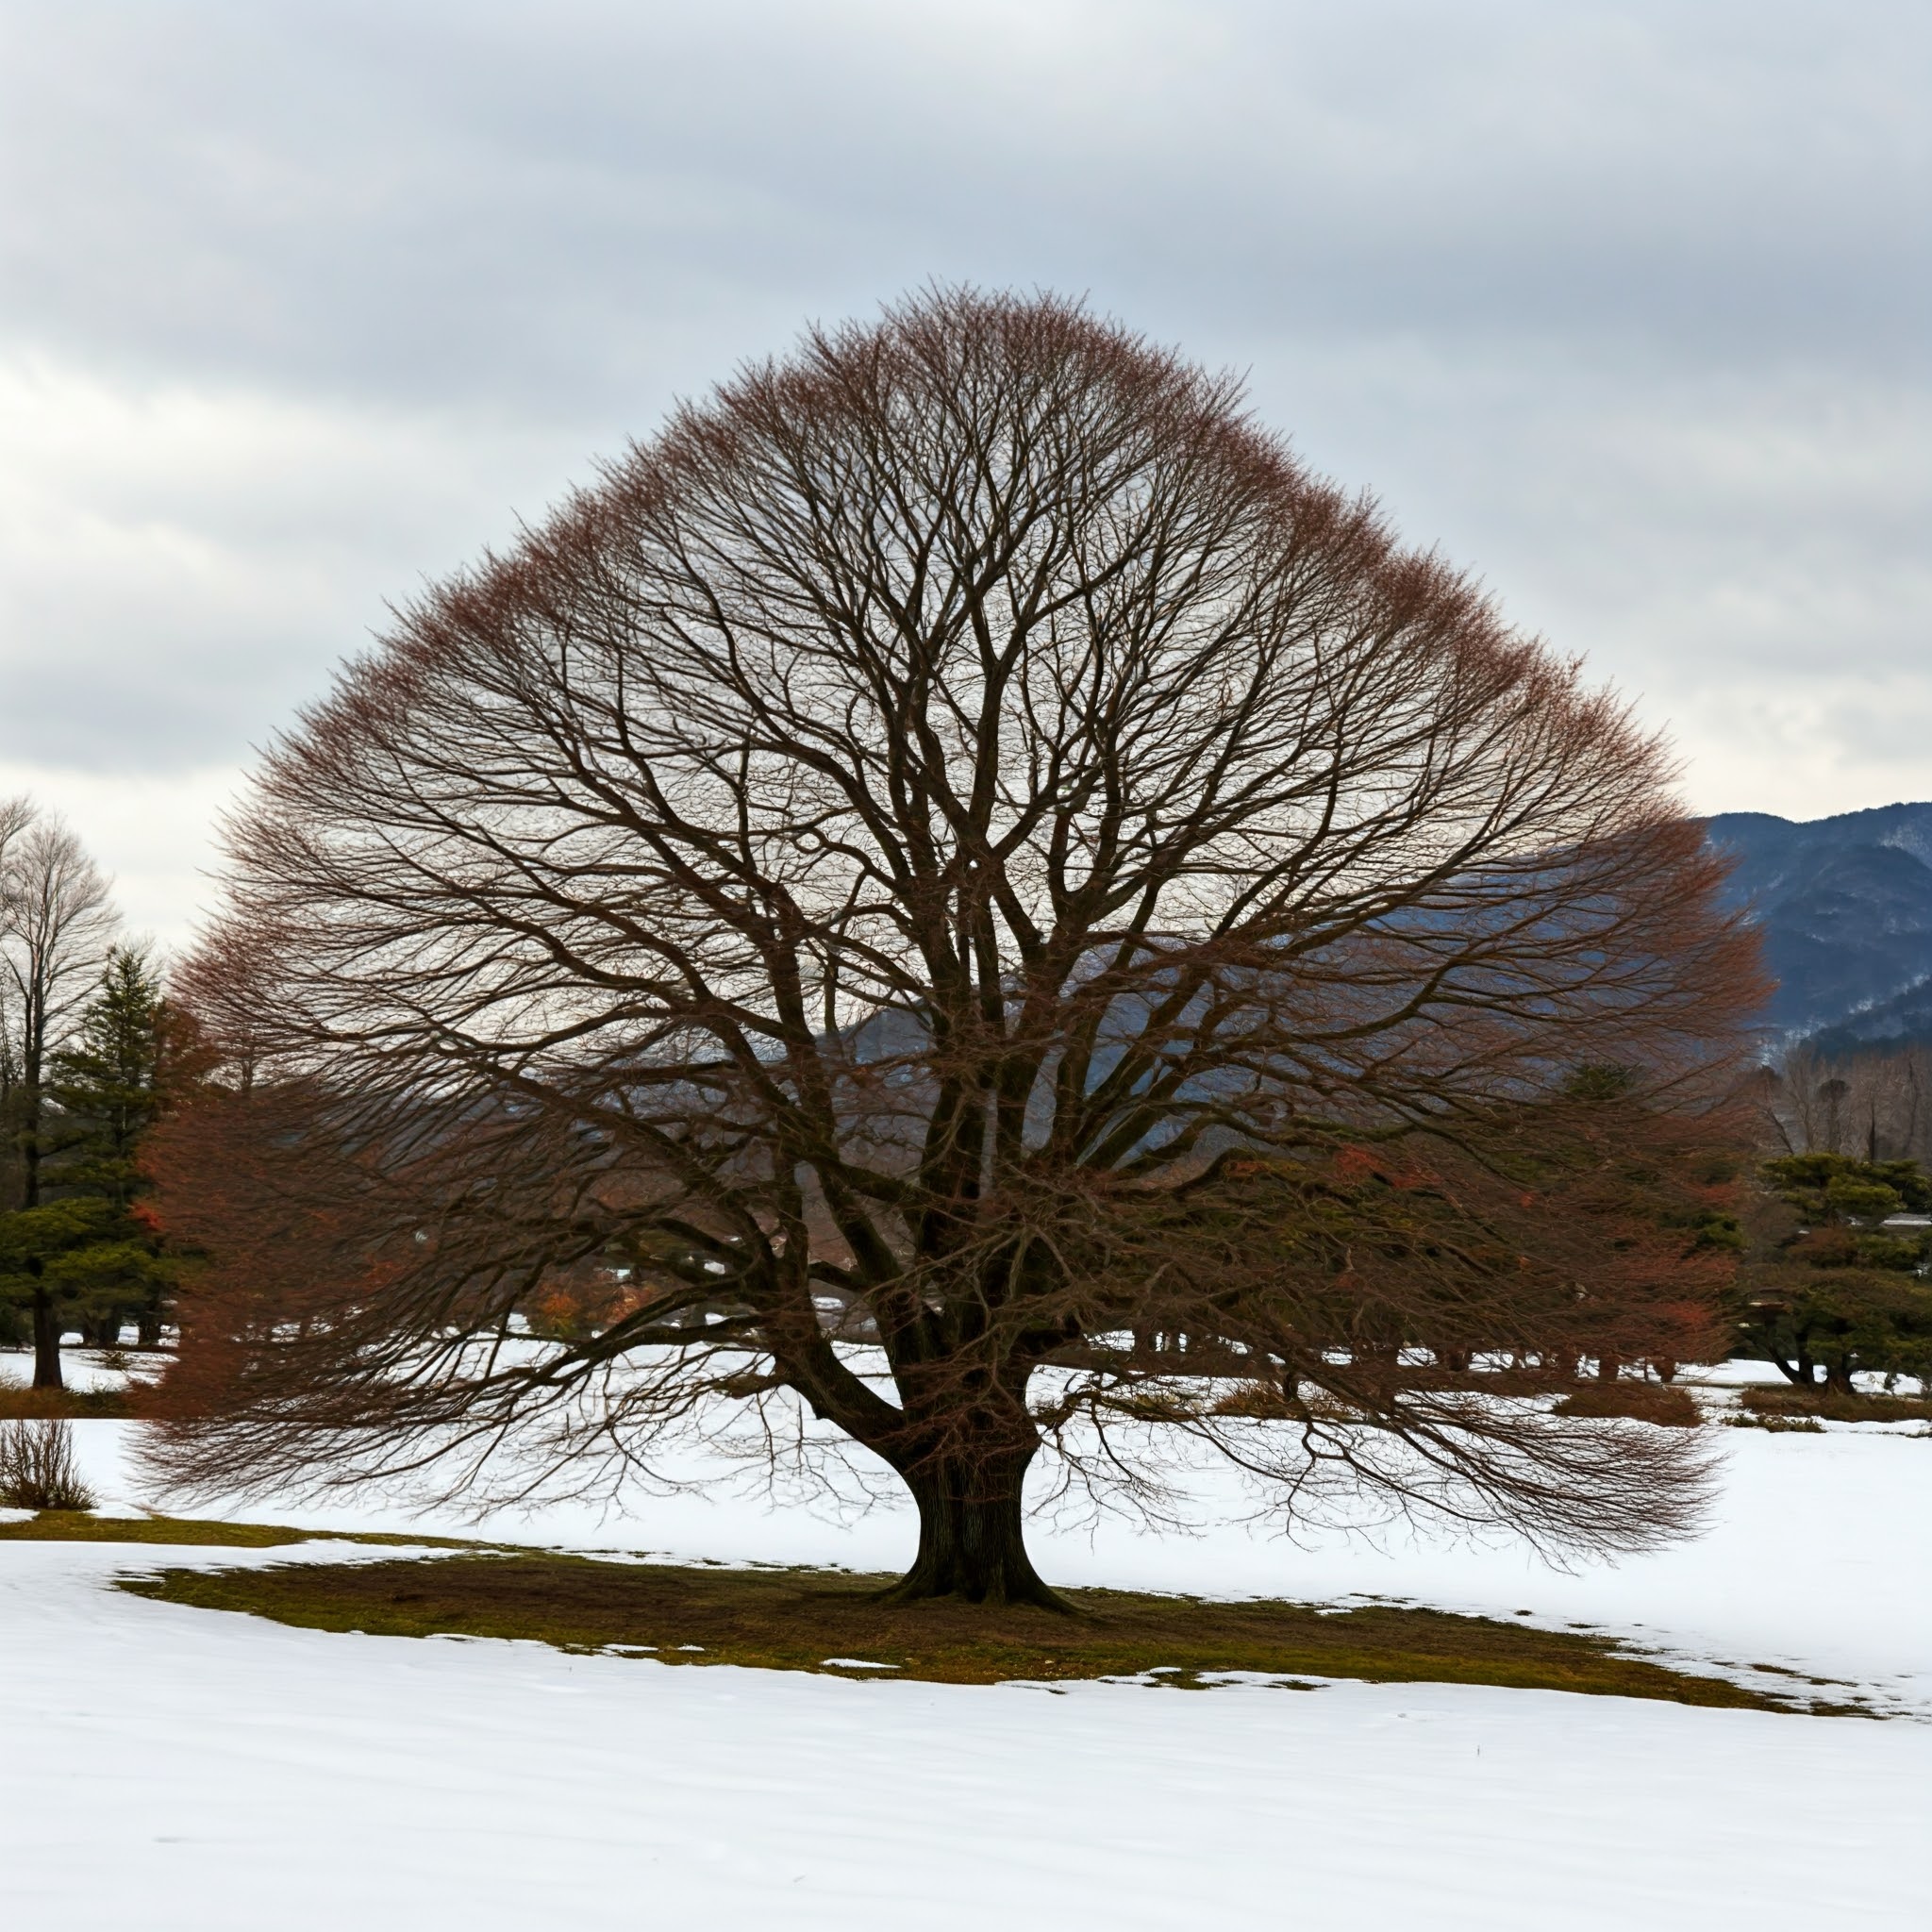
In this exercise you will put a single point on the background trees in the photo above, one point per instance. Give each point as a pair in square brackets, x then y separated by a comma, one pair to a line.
[961, 841]
[124, 1061]
[1834, 1291]
[55, 926]
[1874, 1104]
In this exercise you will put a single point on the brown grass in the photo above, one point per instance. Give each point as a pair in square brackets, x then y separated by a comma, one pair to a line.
[76, 1527]
[1640, 1402]
[1835, 1407]
[803, 1620]
[57, 1405]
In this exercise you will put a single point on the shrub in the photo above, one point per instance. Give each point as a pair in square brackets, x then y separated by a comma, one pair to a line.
[1639, 1402]
[47, 1404]
[37, 1470]
[1263, 1402]
[1837, 1407]
[1258, 1400]
[1154, 1406]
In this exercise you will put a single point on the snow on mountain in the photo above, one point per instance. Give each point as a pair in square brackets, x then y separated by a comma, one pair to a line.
[1845, 904]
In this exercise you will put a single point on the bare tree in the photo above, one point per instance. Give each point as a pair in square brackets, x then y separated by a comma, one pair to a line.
[962, 840]
[55, 926]
[16, 816]
[1871, 1104]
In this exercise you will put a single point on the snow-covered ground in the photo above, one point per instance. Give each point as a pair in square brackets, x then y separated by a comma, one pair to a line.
[165, 1766]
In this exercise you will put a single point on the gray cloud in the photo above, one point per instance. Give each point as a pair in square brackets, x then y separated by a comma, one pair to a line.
[1624, 304]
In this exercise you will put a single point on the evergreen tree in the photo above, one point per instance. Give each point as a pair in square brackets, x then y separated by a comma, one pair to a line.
[87, 1244]
[107, 1083]
[16, 1318]
[1839, 1294]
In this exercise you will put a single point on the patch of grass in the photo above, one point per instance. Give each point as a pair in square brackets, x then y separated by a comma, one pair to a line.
[77, 1527]
[1640, 1402]
[1834, 1406]
[816, 1619]
[60, 1404]
[1775, 1425]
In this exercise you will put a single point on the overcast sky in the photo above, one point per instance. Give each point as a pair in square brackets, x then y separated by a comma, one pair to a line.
[1625, 306]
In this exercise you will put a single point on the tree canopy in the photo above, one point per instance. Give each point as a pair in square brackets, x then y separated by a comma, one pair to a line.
[1832, 1291]
[959, 886]
[87, 1249]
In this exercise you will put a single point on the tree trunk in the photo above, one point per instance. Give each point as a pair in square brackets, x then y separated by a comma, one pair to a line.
[1800, 1371]
[46, 1341]
[971, 1537]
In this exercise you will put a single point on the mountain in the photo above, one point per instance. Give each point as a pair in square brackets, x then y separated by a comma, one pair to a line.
[1845, 905]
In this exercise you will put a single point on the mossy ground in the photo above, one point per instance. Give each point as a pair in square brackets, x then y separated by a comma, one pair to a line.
[81, 1526]
[826, 1620]
[820, 1619]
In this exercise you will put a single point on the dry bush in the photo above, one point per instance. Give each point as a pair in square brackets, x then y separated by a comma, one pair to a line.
[1775, 1425]
[1257, 1402]
[1836, 1406]
[1265, 1403]
[37, 1468]
[1637, 1402]
[34, 1404]
[47, 1404]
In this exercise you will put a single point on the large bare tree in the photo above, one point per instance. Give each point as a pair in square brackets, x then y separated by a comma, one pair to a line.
[961, 844]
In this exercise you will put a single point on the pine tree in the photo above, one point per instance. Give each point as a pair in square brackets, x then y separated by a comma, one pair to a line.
[107, 1083]
[86, 1241]
[1841, 1291]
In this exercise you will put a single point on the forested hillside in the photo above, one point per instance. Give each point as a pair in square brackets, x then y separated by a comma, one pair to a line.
[1846, 907]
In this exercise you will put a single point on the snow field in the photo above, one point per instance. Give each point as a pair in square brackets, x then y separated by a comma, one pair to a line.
[170, 1768]
[1817, 1560]
[175, 1769]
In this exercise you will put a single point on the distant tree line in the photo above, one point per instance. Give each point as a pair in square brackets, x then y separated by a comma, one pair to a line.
[1873, 1105]
[86, 1048]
